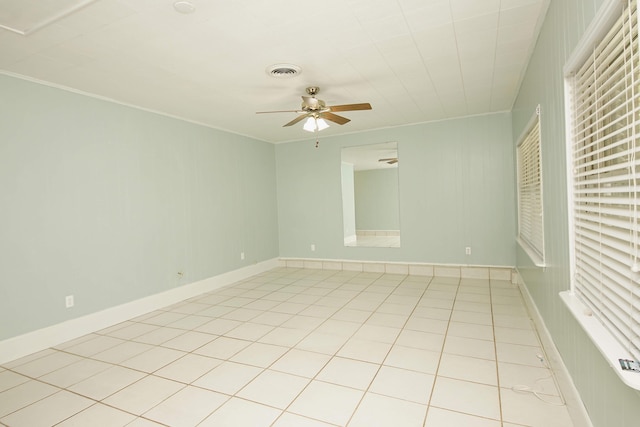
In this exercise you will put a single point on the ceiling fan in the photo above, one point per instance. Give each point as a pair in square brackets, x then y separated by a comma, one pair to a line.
[316, 111]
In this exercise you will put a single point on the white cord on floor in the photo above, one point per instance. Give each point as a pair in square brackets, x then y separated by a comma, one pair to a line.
[526, 389]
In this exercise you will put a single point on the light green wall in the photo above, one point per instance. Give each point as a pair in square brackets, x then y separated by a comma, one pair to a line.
[456, 190]
[608, 401]
[376, 198]
[108, 203]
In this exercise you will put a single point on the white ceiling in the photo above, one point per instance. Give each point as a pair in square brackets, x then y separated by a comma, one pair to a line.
[413, 60]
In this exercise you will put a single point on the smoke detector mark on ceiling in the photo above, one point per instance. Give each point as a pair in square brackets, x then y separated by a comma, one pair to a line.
[281, 71]
[183, 6]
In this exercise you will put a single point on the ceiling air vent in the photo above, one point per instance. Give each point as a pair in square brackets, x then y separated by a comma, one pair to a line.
[282, 71]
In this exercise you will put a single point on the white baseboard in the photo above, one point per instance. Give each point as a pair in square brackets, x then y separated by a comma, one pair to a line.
[576, 408]
[31, 342]
[407, 268]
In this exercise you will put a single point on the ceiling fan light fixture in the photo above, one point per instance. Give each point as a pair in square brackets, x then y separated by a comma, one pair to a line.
[322, 124]
[314, 124]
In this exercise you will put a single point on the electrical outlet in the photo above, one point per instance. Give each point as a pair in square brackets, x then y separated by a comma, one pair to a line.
[313, 247]
[68, 301]
[241, 255]
[467, 250]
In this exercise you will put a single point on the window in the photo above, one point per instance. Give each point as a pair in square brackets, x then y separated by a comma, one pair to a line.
[530, 218]
[604, 127]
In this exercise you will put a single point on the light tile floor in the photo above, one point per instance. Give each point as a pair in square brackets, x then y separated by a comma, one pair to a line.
[304, 348]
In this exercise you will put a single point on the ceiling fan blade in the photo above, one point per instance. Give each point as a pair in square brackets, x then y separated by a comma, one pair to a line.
[350, 107]
[296, 120]
[334, 118]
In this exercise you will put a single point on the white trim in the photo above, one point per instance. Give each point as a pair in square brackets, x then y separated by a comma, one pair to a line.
[533, 255]
[604, 18]
[575, 406]
[464, 271]
[350, 239]
[31, 342]
[532, 121]
[610, 348]
[125, 104]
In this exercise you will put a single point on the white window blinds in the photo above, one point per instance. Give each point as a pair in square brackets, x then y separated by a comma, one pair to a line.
[530, 218]
[605, 126]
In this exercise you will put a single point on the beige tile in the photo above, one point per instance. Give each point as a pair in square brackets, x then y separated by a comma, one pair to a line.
[322, 343]
[421, 340]
[271, 319]
[432, 313]
[154, 359]
[39, 354]
[284, 336]
[219, 326]
[307, 323]
[468, 369]
[222, 348]
[351, 315]
[517, 336]
[23, 395]
[106, 382]
[189, 341]
[518, 354]
[435, 326]
[98, 415]
[482, 349]
[189, 322]
[539, 378]
[367, 351]
[142, 422]
[301, 362]
[469, 330]
[472, 317]
[228, 377]
[377, 333]
[187, 407]
[133, 330]
[376, 410]
[348, 372]
[259, 354]
[527, 409]
[143, 395]
[327, 402]
[158, 336]
[249, 331]
[242, 314]
[122, 352]
[188, 368]
[403, 384]
[10, 379]
[508, 321]
[467, 397]
[239, 412]
[93, 346]
[338, 327]
[413, 359]
[437, 417]
[74, 373]
[292, 420]
[48, 411]
[47, 364]
[274, 388]
[164, 318]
